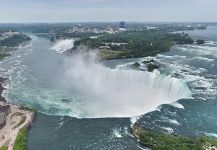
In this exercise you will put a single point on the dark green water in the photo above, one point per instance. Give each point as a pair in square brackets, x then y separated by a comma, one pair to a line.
[50, 132]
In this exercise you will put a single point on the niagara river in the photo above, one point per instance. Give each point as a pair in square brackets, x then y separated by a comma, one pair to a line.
[103, 99]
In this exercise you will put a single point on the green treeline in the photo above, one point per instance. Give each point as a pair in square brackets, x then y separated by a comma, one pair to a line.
[14, 40]
[20, 143]
[137, 43]
[162, 141]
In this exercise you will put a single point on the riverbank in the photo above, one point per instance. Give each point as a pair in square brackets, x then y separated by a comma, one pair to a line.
[161, 141]
[16, 120]
[13, 117]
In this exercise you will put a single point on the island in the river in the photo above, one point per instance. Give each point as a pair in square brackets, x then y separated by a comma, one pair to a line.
[164, 141]
[133, 44]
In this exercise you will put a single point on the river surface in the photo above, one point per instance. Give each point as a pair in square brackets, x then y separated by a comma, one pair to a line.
[41, 77]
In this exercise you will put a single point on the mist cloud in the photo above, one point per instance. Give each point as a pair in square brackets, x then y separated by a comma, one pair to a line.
[104, 92]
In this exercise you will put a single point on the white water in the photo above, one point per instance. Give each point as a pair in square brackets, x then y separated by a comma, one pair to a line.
[63, 45]
[95, 91]
[117, 133]
[117, 92]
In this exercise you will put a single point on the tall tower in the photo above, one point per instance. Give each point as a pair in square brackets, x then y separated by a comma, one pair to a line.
[122, 24]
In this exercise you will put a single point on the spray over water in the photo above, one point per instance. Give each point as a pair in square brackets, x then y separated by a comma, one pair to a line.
[94, 90]
[109, 92]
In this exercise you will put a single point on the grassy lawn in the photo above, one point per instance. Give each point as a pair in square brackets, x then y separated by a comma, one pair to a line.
[20, 143]
[105, 54]
[4, 148]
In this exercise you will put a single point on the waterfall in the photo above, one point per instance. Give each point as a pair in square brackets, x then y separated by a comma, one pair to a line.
[62, 45]
[109, 92]
[94, 90]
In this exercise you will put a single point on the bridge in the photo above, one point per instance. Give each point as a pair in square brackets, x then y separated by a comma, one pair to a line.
[51, 36]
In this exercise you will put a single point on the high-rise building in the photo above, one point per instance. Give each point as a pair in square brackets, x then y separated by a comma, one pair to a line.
[122, 24]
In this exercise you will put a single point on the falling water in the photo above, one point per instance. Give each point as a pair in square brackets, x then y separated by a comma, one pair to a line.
[117, 92]
[93, 90]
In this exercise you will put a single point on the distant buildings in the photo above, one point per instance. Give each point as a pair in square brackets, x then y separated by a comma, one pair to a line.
[98, 30]
[151, 28]
[196, 26]
[122, 24]
[104, 47]
[189, 27]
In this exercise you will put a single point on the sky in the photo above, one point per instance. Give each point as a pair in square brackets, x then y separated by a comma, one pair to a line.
[29, 11]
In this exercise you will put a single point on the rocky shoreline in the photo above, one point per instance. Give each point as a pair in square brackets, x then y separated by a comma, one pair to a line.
[16, 120]
[2, 80]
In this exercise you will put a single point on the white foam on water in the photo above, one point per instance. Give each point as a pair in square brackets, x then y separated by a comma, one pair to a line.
[204, 59]
[99, 92]
[62, 45]
[173, 121]
[211, 134]
[201, 50]
[61, 124]
[184, 66]
[177, 105]
[142, 148]
[201, 98]
[12, 68]
[171, 57]
[134, 119]
[126, 132]
[117, 92]
[117, 133]
[168, 129]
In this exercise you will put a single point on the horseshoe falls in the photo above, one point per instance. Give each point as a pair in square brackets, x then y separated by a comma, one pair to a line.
[93, 89]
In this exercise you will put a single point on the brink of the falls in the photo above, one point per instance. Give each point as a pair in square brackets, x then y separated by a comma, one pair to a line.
[106, 92]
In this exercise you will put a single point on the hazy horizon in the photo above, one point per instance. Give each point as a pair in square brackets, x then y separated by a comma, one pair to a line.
[118, 21]
[67, 11]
